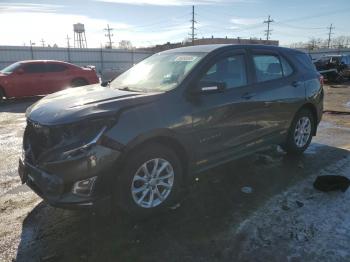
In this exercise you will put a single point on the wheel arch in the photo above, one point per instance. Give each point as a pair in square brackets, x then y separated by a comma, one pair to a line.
[79, 78]
[312, 108]
[2, 90]
[164, 138]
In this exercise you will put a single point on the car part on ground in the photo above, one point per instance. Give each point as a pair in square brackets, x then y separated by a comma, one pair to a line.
[328, 183]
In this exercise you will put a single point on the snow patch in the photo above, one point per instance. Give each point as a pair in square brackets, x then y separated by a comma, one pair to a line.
[302, 222]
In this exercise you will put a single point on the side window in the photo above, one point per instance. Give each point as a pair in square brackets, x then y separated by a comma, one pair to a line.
[346, 60]
[34, 68]
[267, 67]
[55, 68]
[231, 70]
[287, 69]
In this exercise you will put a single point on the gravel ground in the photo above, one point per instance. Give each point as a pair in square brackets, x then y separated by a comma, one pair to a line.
[261, 208]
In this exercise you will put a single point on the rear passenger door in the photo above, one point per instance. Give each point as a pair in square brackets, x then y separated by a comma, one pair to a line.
[277, 92]
[32, 80]
[57, 77]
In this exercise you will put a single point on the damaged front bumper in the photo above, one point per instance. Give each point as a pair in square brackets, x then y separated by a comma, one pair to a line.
[77, 180]
[57, 182]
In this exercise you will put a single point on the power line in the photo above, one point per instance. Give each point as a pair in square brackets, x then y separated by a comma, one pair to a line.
[109, 35]
[268, 31]
[297, 27]
[193, 21]
[42, 42]
[328, 13]
[163, 22]
[330, 35]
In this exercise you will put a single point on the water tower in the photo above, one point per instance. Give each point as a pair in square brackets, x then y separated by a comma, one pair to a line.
[79, 36]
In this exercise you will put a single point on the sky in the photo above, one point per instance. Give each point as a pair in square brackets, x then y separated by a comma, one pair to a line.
[150, 22]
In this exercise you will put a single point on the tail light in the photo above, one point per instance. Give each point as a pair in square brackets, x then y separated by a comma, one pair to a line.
[321, 80]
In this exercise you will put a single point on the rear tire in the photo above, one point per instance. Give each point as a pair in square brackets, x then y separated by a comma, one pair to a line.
[79, 82]
[142, 195]
[300, 132]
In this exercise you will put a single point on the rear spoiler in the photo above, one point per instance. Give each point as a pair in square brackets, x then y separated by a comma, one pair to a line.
[92, 67]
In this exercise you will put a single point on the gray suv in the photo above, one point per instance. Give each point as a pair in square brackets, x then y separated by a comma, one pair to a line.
[136, 142]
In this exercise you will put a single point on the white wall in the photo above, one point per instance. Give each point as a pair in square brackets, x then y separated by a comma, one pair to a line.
[102, 59]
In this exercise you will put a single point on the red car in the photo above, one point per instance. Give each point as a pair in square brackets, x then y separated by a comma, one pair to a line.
[41, 77]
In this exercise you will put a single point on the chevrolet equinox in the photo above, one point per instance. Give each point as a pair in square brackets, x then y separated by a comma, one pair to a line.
[135, 142]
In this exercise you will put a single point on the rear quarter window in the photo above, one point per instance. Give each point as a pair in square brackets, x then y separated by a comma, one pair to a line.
[305, 61]
[55, 67]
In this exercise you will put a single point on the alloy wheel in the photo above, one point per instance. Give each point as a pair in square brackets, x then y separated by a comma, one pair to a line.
[152, 183]
[302, 131]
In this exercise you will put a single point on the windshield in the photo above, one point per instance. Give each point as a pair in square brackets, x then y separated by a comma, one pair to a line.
[11, 68]
[158, 73]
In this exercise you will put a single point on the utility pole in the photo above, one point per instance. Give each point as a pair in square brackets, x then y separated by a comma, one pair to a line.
[68, 47]
[31, 49]
[330, 33]
[42, 42]
[109, 35]
[268, 31]
[193, 21]
[68, 44]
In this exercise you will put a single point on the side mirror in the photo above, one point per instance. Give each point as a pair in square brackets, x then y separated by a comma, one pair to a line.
[20, 71]
[210, 87]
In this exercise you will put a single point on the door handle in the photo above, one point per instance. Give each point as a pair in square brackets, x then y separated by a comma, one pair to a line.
[268, 103]
[248, 95]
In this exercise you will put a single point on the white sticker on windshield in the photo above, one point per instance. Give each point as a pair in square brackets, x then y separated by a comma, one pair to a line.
[185, 58]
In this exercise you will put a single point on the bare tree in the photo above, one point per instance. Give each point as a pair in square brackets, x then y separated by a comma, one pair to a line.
[341, 41]
[317, 43]
[314, 43]
[298, 45]
[125, 44]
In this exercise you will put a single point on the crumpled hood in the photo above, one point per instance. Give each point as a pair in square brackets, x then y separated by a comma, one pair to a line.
[74, 104]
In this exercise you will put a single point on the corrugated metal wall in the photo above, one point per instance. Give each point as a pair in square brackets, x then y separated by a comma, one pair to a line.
[316, 54]
[116, 59]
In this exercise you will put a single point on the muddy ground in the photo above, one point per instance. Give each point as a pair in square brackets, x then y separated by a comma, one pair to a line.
[279, 217]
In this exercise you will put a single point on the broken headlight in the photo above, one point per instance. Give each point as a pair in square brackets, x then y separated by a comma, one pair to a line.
[84, 147]
[79, 137]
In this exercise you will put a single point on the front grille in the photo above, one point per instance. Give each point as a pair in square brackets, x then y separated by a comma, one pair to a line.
[37, 139]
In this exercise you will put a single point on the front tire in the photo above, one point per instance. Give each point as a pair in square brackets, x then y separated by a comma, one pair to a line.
[150, 181]
[300, 132]
[2, 95]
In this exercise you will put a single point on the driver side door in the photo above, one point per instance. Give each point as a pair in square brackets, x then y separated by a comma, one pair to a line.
[32, 79]
[224, 121]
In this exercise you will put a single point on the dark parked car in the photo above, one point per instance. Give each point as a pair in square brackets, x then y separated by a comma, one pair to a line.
[137, 141]
[335, 68]
[41, 77]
